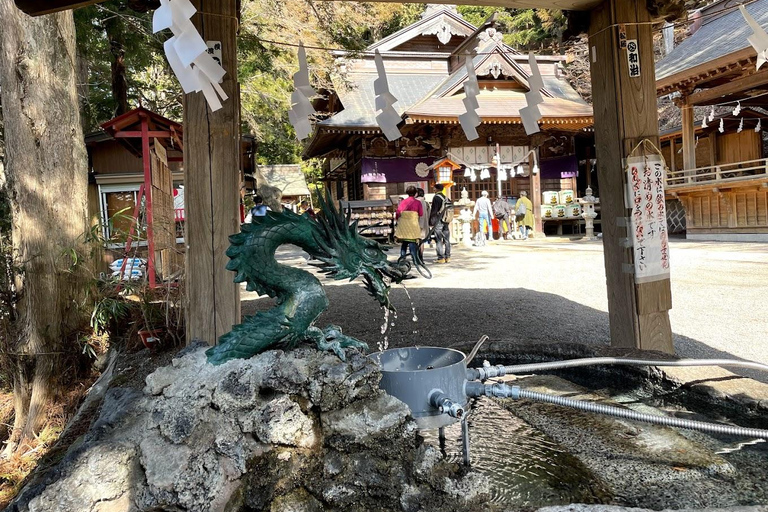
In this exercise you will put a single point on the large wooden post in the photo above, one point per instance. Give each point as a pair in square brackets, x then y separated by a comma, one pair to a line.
[211, 178]
[625, 113]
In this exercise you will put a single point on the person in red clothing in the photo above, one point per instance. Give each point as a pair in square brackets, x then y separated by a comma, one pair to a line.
[408, 229]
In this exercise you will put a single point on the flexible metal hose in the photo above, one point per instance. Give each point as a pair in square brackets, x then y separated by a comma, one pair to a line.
[504, 390]
[487, 372]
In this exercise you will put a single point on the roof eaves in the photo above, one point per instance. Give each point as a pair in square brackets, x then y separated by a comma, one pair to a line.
[447, 12]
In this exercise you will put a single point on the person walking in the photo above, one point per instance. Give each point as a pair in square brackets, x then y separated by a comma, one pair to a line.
[304, 207]
[484, 213]
[502, 210]
[408, 231]
[423, 220]
[524, 212]
[441, 215]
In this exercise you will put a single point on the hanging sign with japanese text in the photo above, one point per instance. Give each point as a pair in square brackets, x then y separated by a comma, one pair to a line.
[648, 235]
[633, 58]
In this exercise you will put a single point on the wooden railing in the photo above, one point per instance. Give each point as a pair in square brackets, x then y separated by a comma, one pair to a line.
[712, 175]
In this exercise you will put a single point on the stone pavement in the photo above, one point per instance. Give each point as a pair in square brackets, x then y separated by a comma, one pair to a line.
[553, 290]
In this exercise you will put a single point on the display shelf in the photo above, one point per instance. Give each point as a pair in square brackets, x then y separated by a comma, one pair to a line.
[375, 219]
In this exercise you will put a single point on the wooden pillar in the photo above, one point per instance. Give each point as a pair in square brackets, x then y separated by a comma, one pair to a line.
[538, 227]
[689, 135]
[625, 113]
[672, 155]
[211, 179]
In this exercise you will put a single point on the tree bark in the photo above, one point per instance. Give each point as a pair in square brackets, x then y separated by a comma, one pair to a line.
[46, 167]
[115, 30]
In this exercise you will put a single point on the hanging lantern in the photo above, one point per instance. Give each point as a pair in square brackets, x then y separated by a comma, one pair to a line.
[444, 173]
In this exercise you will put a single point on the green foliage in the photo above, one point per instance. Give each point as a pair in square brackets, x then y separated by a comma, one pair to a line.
[109, 32]
[523, 29]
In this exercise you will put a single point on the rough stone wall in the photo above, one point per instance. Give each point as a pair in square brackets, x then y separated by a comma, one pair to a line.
[296, 431]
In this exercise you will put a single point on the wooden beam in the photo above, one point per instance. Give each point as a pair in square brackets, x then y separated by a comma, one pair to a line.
[137, 134]
[569, 5]
[40, 7]
[715, 94]
[625, 113]
[211, 163]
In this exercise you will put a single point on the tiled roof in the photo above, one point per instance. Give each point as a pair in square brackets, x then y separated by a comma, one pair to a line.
[716, 38]
[359, 105]
[498, 105]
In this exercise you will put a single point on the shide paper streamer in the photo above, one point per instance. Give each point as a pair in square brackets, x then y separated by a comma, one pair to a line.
[530, 114]
[388, 119]
[301, 107]
[187, 53]
[758, 39]
[470, 120]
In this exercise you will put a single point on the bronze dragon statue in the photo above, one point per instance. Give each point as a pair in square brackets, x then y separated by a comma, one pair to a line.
[341, 253]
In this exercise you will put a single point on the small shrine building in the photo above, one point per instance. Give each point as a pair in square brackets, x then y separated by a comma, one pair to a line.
[718, 171]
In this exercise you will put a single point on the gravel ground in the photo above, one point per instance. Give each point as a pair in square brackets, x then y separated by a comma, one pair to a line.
[553, 290]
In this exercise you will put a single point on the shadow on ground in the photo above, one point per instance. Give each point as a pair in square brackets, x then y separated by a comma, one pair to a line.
[453, 316]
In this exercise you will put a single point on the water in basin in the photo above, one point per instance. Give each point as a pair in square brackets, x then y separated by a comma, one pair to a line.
[525, 468]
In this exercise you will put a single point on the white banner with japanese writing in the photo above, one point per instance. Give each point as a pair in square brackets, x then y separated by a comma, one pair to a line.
[648, 227]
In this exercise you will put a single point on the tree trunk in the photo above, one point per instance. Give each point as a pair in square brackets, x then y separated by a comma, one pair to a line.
[46, 167]
[115, 30]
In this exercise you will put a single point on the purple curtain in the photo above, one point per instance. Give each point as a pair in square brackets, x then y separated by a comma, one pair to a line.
[559, 168]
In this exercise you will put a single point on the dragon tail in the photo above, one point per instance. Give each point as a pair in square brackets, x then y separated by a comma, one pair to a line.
[243, 341]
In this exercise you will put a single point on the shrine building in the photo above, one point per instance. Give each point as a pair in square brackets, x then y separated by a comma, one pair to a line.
[425, 66]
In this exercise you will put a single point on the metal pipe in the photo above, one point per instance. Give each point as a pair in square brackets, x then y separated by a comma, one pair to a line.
[487, 371]
[445, 404]
[515, 392]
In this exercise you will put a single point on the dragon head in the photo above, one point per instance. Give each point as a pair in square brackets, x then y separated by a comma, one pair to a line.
[346, 255]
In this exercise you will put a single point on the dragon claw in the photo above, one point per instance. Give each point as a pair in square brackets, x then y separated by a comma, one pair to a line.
[331, 338]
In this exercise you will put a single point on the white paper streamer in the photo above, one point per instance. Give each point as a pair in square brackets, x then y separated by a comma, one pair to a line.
[469, 120]
[388, 119]
[758, 39]
[712, 115]
[704, 122]
[741, 126]
[187, 53]
[531, 114]
[721, 128]
[737, 109]
[759, 125]
[301, 106]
